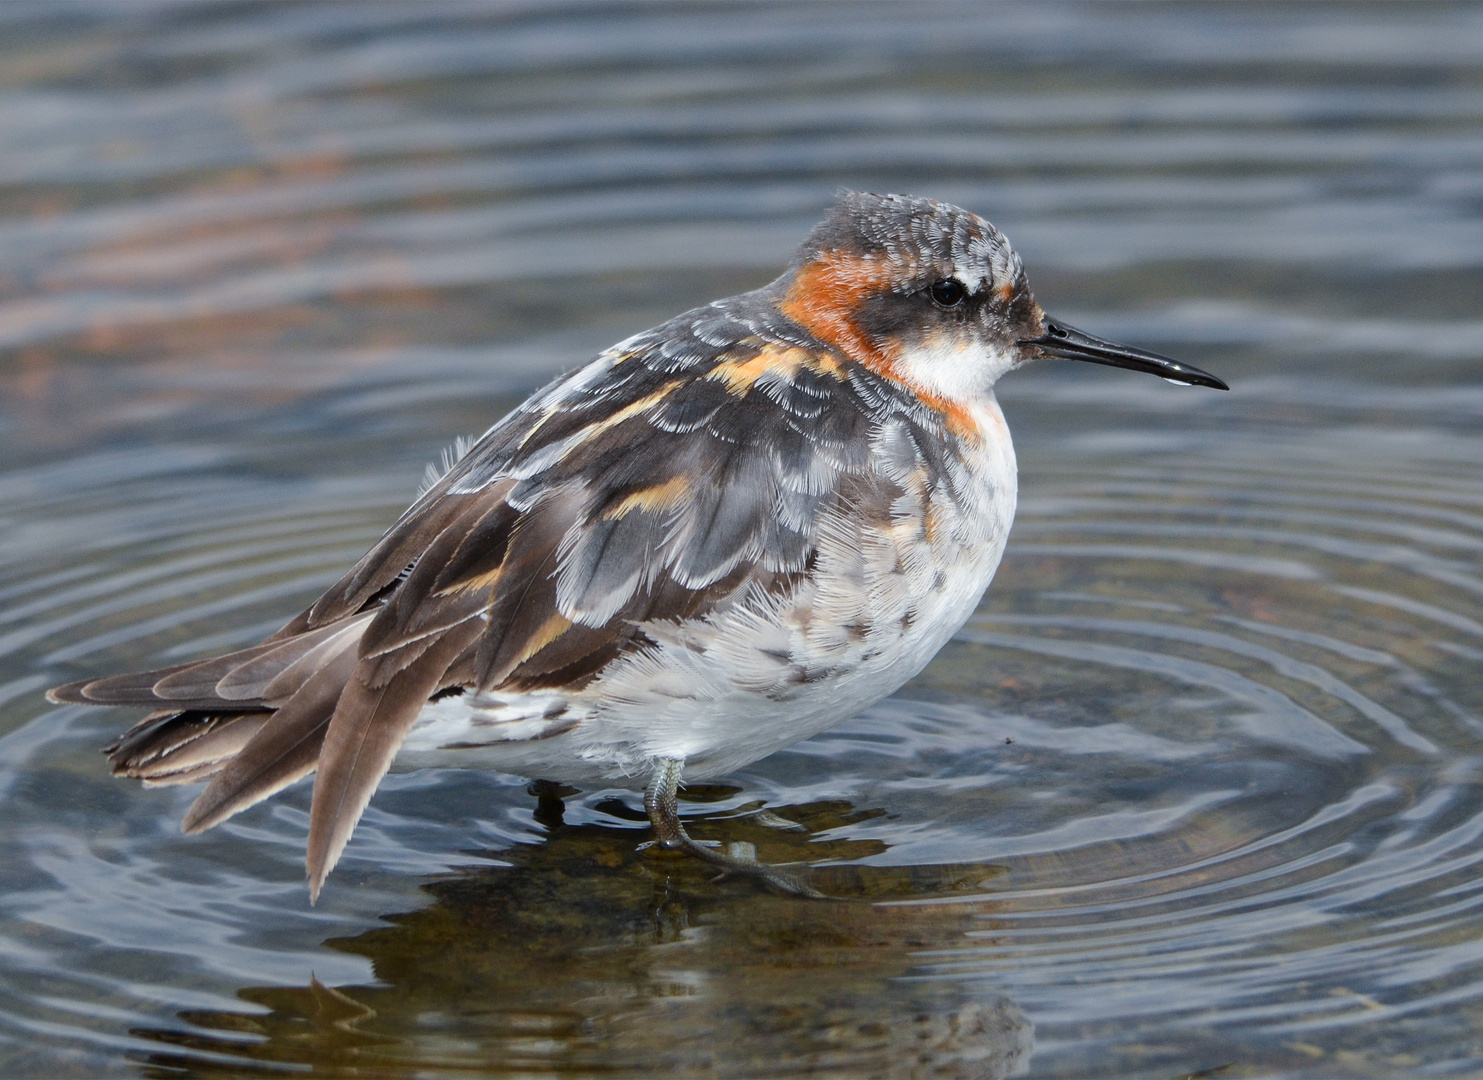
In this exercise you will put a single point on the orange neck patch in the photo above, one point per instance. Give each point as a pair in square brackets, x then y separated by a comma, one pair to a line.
[825, 295]
[824, 298]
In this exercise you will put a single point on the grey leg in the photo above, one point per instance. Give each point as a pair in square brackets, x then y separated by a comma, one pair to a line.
[664, 816]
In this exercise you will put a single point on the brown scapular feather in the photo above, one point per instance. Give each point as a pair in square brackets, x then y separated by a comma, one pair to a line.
[402, 545]
[275, 674]
[298, 663]
[403, 618]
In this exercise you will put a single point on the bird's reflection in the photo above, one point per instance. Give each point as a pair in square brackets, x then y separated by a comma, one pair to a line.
[585, 955]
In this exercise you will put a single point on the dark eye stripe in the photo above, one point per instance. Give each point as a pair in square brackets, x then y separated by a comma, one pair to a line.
[948, 293]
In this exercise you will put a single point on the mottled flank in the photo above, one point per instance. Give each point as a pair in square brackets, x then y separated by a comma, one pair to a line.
[719, 537]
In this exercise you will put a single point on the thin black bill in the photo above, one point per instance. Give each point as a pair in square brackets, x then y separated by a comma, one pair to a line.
[1072, 344]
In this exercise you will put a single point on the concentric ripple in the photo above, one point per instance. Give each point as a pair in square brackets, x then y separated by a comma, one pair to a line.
[1197, 791]
[1304, 721]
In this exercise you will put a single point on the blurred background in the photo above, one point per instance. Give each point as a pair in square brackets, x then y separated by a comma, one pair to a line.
[1196, 793]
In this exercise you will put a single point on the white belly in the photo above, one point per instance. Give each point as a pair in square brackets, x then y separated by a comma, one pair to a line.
[722, 692]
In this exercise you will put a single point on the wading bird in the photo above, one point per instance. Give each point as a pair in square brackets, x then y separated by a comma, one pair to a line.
[721, 536]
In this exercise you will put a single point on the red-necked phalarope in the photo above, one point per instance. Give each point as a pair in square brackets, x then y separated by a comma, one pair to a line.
[721, 536]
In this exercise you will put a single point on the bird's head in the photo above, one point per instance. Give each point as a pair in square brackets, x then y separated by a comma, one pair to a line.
[934, 297]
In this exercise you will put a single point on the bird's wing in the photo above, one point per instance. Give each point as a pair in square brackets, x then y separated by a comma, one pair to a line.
[627, 496]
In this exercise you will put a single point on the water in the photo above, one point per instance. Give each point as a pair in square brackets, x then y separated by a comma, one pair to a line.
[1198, 791]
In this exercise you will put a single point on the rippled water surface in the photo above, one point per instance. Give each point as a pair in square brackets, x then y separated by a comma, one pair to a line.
[1198, 791]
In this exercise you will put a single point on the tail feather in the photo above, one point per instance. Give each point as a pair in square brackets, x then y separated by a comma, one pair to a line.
[203, 678]
[368, 727]
[285, 749]
[204, 771]
[266, 674]
[345, 637]
[276, 675]
[175, 748]
[139, 687]
[257, 720]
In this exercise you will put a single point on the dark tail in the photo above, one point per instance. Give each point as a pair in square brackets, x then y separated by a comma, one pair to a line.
[255, 721]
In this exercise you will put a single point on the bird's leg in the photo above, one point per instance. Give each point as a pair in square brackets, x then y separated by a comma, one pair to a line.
[664, 816]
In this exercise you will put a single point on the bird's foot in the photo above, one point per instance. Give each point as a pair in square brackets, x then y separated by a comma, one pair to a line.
[737, 858]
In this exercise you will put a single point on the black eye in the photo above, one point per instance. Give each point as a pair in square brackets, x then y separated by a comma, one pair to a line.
[948, 293]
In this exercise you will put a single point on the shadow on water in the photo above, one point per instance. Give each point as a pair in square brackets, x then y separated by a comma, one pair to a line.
[589, 953]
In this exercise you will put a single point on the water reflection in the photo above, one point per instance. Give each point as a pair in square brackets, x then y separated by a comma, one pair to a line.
[584, 955]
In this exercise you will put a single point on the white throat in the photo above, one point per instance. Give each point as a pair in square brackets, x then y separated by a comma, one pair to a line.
[954, 367]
